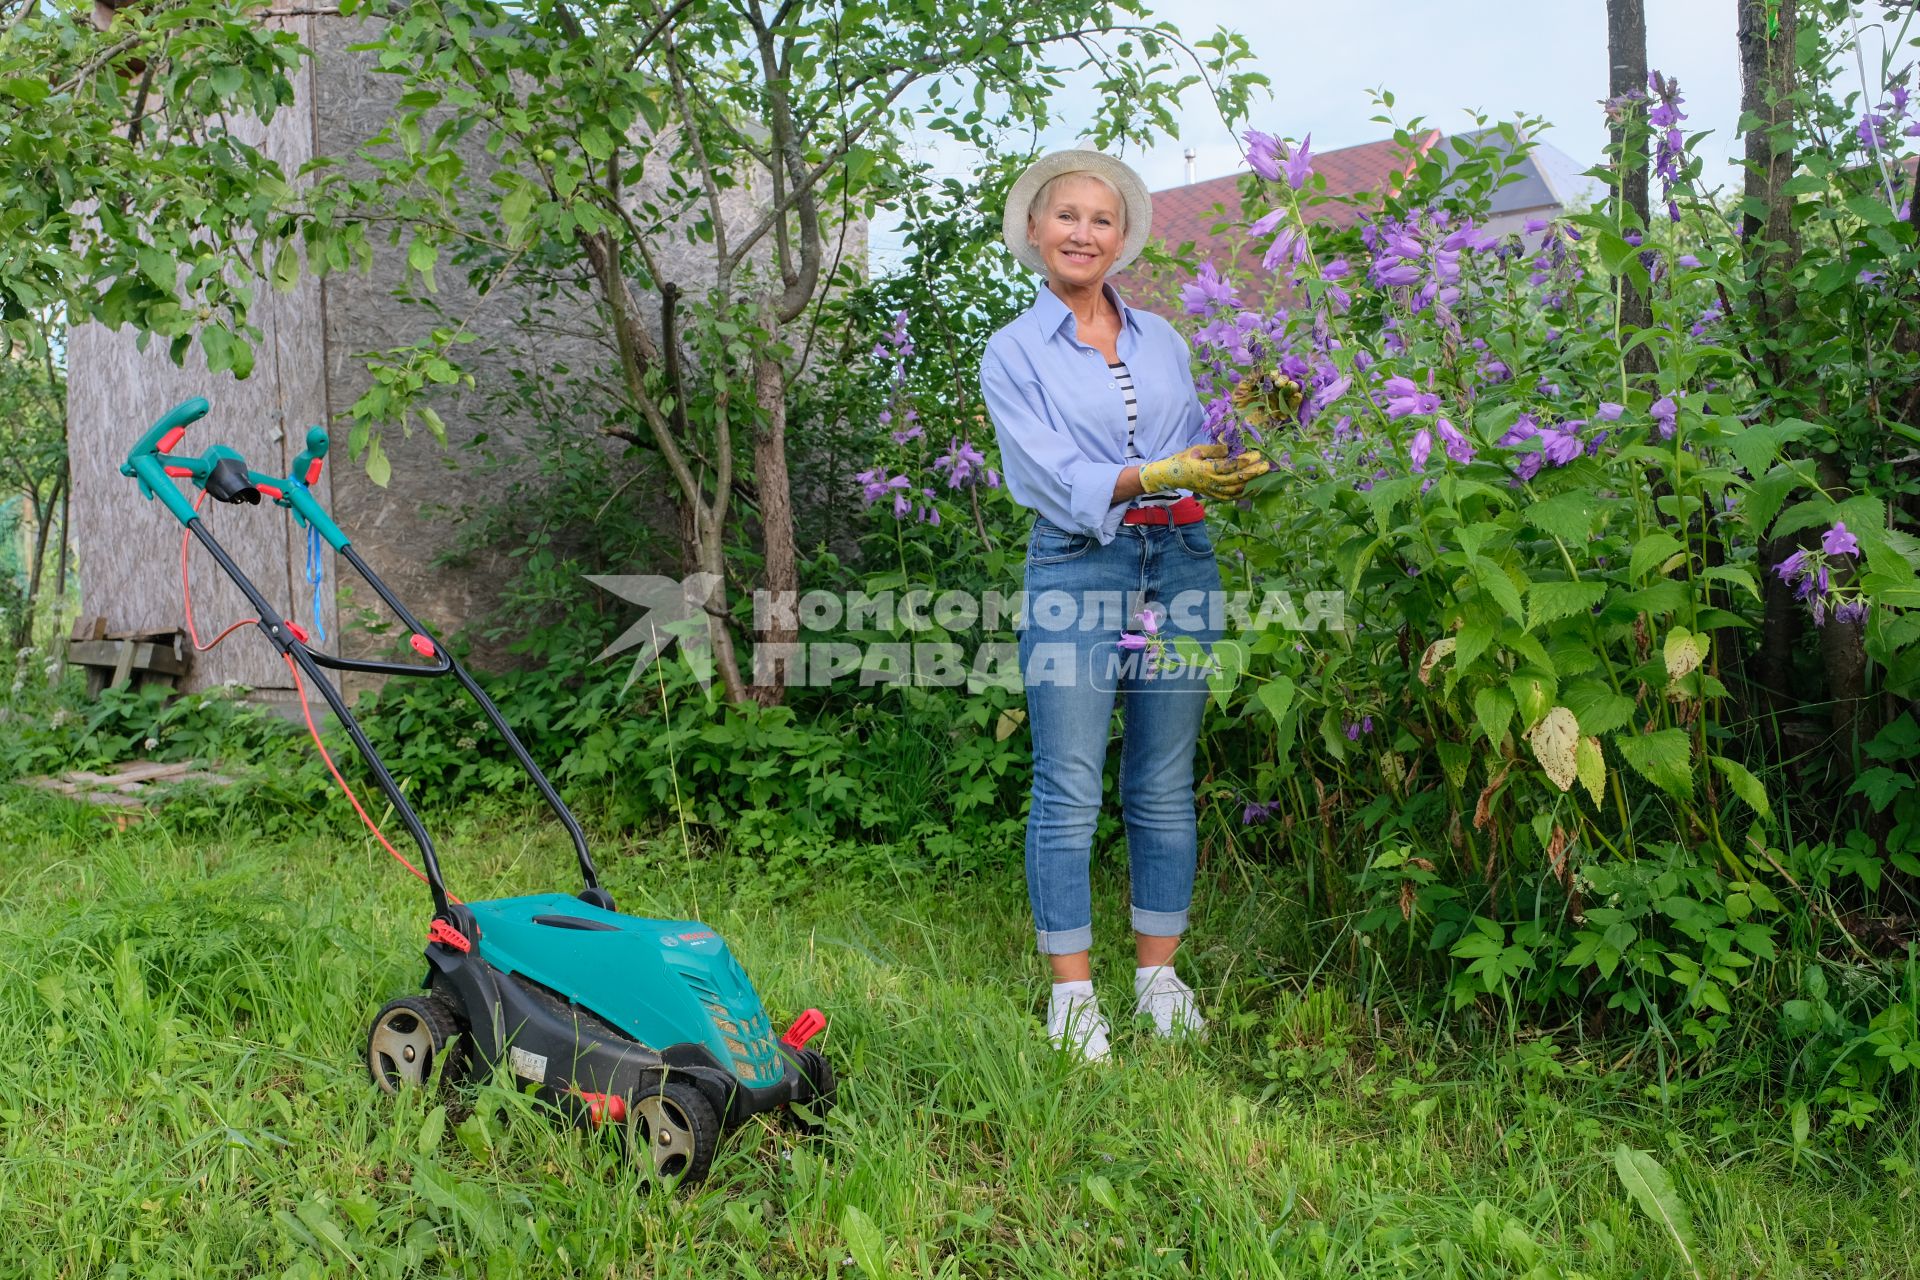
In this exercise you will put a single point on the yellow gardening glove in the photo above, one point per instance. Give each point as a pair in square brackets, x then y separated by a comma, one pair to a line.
[1267, 398]
[1205, 469]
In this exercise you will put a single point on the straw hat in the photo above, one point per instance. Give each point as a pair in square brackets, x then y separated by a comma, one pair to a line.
[1080, 159]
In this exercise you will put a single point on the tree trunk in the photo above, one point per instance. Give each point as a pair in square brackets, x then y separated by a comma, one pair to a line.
[1766, 84]
[712, 552]
[1770, 247]
[773, 483]
[42, 513]
[1627, 77]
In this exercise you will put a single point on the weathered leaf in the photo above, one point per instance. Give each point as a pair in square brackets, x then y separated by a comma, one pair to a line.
[1555, 741]
[1435, 651]
[1591, 766]
[1684, 652]
[1654, 1192]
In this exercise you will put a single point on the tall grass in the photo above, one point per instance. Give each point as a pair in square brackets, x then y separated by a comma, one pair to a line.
[181, 1093]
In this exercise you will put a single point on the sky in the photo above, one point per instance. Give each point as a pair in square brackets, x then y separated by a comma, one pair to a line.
[1440, 60]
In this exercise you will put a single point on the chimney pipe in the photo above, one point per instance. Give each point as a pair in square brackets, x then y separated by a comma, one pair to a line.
[1190, 158]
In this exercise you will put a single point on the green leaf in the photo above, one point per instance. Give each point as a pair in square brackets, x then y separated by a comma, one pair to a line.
[1229, 664]
[1654, 1192]
[865, 1243]
[1498, 585]
[29, 90]
[1550, 601]
[1756, 447]
[1871, 210]
[1567, 516]
[1744, 784]
[432, 1129]
[596, 142]
[286, 268]
[1493, 708]
[1650, 551]
[379, 469]
[1473, 640]
[517, 207]
[1664, 758]
[1738, 574]
[1276, 695]
[1102, 1192]
[1615, 252]
[422, 254]
[1599, 708]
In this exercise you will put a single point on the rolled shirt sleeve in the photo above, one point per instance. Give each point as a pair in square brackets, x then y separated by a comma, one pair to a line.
[1045, 469]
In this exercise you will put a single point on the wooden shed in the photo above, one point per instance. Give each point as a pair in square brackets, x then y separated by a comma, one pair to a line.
[307, 371]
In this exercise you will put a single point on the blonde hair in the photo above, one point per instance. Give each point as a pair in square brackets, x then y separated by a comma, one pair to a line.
[1044, 196]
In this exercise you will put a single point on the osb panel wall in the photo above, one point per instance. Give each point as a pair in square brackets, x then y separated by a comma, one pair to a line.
[128, 548]
[410, 531]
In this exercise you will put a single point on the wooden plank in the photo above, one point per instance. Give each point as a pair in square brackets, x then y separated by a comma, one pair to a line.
[108, 653]
[149, 770]
[123, 664]
[110, 799]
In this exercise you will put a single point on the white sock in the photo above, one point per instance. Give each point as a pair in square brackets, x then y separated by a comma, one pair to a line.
[1078, 989]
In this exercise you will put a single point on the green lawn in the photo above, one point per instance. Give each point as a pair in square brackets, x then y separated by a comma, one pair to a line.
[181, 1093]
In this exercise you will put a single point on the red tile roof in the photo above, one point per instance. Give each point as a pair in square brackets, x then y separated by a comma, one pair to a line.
[1188, 213]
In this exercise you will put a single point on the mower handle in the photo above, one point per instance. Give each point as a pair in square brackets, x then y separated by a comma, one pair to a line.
[234, 479]
[177, 419]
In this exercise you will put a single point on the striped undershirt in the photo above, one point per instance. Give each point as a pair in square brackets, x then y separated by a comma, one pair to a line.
[1124, 378]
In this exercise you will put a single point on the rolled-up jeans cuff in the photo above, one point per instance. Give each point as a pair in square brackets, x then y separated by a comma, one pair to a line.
[1159, 924]
[1064, 942]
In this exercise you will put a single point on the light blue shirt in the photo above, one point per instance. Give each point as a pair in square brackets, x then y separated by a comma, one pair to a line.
[1061, 417]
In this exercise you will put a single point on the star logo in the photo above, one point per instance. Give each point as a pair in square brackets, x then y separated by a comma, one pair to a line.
[669, 608]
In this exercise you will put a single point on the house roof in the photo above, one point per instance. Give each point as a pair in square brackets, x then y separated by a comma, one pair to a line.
[1547, 175]
[1188, 213]
[1548, 179]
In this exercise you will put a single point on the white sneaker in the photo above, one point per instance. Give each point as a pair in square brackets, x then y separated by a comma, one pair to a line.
[1074, 1022]
[1161, 996]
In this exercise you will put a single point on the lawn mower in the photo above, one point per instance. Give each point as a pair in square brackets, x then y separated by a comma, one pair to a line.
[650, 1025]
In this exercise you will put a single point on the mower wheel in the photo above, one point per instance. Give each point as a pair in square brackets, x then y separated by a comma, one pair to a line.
[408, 1036]
[817, 1093]
[674, 1126]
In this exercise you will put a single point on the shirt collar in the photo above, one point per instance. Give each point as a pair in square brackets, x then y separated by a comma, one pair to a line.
[1053, 314]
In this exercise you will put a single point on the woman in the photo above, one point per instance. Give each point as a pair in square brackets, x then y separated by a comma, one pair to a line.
[1101, 433]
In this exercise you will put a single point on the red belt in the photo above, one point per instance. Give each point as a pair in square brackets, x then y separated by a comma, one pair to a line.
[1186, 511]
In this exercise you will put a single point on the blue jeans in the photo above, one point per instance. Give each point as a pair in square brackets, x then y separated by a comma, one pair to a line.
[1081, 597]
